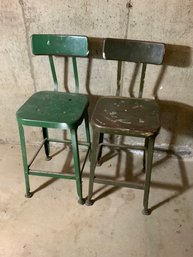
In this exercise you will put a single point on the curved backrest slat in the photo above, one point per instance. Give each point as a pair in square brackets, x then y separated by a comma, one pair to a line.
[66, 45]
[133, 51]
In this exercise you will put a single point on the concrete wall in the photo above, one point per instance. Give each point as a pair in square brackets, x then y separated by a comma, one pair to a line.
[170, 22]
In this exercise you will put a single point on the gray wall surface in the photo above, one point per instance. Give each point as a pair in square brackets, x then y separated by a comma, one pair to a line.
[171, 22]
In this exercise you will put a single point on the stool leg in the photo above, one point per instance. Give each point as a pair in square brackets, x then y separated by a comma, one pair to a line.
[94, 154]
[25, 163]
[77, 165]
[87, 135]
[145, 154]
[46, 144]
[87, 128]
[101, 137]
[150, 147]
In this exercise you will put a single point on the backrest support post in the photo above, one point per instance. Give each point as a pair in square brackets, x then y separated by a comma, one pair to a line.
[75, 74]
[141, 86]
[53, 72]
[119, 75]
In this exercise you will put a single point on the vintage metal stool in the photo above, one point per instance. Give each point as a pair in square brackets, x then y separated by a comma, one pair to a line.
[54, 109]
[136, 117]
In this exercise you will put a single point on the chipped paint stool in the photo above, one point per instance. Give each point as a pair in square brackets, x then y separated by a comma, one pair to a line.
[117, 115]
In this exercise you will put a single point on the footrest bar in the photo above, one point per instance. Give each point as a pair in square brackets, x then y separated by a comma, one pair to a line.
[118, 183]
[51, 174]
[133, 147]
[67, 141]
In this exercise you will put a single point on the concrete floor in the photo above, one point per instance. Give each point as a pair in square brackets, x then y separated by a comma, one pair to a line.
[53, 224]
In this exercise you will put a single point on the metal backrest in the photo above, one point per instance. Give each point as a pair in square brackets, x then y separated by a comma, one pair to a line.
[134, 51]
[61, 45]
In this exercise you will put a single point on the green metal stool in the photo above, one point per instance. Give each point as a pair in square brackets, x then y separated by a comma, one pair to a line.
[117, 115]
[54, 109]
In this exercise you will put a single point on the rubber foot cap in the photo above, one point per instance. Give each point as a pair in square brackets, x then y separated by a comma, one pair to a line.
[48, 158]
[146, 212]
[89, 202]
[29, 195]
[81, 201]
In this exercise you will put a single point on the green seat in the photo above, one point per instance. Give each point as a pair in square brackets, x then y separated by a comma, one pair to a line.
[135, 117]
[54, 109]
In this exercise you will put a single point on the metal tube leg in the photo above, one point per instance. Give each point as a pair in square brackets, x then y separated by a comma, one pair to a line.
[46, 144]
[24, 157]
[101, 137]
[87, 128]
[94, 154]
[77, 165]
[145, 155]
[87, 134]
[150, 148]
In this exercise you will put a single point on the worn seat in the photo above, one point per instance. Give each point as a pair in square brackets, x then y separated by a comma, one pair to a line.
[54, 109]
[117, 115]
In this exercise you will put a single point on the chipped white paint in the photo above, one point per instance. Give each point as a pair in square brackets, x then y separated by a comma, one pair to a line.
[141, 121]
[124, 121]
[99, 121]
[113, 113]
